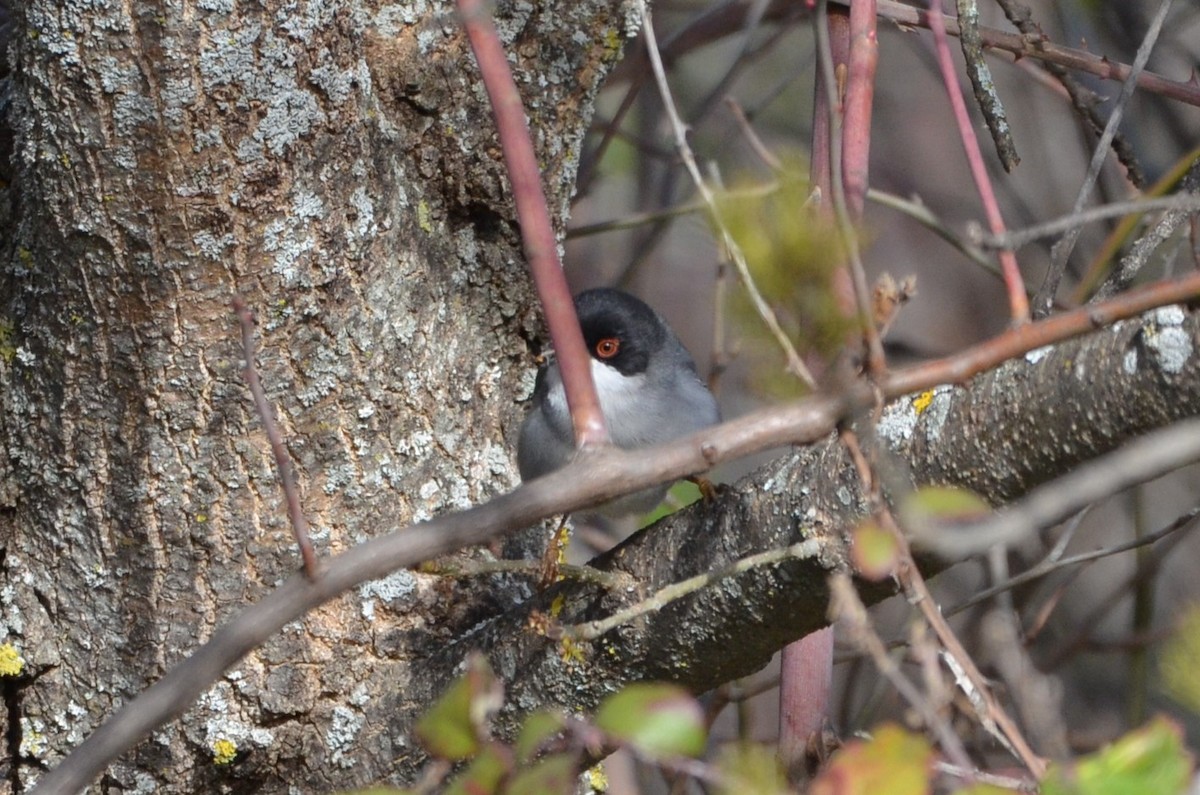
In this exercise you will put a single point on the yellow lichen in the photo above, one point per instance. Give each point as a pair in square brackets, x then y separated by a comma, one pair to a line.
[423, 217]
[571, 652]
[7, 349]
[597, 779]
[557, 605]
[922, 401]
[224, 751]
[11, 662]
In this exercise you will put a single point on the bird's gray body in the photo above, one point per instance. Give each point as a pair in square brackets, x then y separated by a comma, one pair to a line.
[649, 393]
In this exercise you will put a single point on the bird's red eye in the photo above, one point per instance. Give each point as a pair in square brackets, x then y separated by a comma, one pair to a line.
[608, 347]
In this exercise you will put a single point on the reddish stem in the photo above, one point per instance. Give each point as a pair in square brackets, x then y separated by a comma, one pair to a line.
[860, 97]
[537, 233]
[1017, 301]
[283, 463]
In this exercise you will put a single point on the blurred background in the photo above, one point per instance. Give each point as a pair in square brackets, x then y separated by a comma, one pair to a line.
[1096, 629]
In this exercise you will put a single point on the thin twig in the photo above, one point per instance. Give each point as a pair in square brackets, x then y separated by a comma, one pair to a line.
[1187, 202]
[1061, 251]
[986, 94]
[537, 233]
[592, 630]
[847, 204]
[283, 463]
[1015, 285]
[850, 610]
[795, 364]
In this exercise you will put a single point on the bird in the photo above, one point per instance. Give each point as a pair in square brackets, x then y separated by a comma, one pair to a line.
[647, 385]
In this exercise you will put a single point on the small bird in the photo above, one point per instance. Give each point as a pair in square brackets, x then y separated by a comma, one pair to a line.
[647, 385]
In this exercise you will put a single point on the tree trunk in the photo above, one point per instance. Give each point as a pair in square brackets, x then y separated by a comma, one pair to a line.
[335, 164]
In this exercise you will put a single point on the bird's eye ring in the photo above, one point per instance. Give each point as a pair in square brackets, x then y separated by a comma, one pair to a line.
[608, 347]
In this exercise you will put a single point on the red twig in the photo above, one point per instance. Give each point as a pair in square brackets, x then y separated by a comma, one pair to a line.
[957, 368]
[537, 234]
[282, 463]
[860, 97]
[1017, 300]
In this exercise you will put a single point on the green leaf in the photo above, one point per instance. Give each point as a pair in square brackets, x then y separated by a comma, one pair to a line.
[874, 551]
[536, 730]
[554, 775]
[1180, 674]
[452, 727]
[485, 773]
[750, 767]
[894, 761]
[1151, 759]
[942, 505]
[681, 495]
[655, 719]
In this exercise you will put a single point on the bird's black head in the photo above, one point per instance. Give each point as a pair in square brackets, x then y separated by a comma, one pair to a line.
[620, 330]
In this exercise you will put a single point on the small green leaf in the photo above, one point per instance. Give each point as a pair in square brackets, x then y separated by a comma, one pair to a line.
[1151, 759]
[874, 551]
[536, 730]
[656, 719]
[681, 495]
[750, 767]
[942, 505]
[485, 772]
[453, 725]
[1180, 674]
[554, 775]
[894, 761]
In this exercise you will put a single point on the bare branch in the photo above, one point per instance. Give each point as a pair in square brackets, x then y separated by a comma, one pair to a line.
[1061, 252]
[283, 463]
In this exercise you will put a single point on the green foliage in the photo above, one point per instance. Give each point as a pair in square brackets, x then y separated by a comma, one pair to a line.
[750, 767]
[655, 719]
[874, 551]
[1180, 675]
[537, 729]
[894, 761]
[792, 252]
[681, 495]
[553, 775]
[454, 725]
[1151, 759]
[933, 505]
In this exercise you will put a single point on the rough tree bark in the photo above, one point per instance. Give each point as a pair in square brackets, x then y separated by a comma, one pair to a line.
[335, 164]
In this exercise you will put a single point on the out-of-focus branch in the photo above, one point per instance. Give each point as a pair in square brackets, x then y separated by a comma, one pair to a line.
[731, 17]
[537, 233]
[1141, 460]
